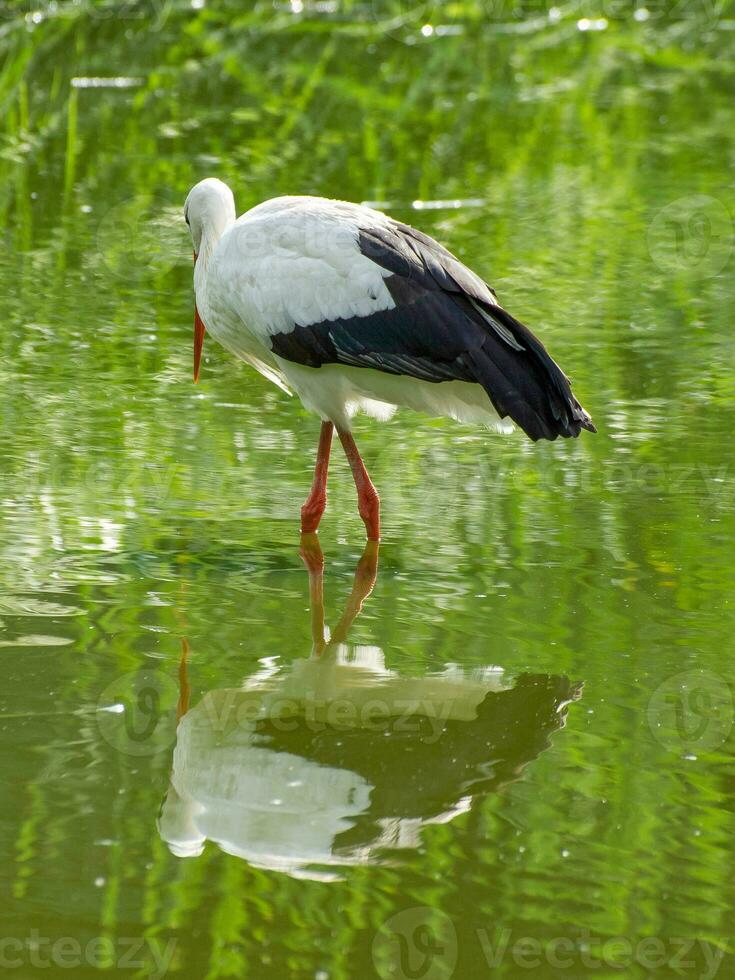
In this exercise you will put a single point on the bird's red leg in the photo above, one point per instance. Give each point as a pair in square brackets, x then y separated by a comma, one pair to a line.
[368, 501]
[311, 554]
[365, 576]
[184, 687]
[311, 512]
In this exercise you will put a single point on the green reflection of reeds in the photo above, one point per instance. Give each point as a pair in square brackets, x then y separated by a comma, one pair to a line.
[609, 560]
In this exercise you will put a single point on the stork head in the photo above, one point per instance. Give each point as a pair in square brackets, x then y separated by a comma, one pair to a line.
[208, 210]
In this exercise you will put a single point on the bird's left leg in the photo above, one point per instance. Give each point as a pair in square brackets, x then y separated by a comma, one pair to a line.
[184, 687]
[313, 558]
[313, 508]
[368, 501]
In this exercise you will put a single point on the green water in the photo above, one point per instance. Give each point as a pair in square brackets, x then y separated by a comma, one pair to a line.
[518, 760]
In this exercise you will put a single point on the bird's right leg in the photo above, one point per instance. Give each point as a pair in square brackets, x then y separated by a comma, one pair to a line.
[313, 508]
[365, 576]
[368, 501]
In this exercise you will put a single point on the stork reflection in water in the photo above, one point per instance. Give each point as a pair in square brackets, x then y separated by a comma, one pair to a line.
[336, 759]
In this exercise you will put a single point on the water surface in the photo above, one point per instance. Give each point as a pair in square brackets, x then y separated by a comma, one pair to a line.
[525, 730]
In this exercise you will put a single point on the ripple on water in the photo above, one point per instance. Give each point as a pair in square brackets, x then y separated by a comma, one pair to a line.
[37, 640]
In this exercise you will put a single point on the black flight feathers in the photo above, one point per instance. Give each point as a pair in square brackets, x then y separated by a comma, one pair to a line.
[445, 326]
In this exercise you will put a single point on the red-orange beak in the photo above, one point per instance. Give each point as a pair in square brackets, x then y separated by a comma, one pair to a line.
[199, 331]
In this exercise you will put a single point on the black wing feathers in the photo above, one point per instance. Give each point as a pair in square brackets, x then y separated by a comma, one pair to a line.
[446, 325]
[390, 340]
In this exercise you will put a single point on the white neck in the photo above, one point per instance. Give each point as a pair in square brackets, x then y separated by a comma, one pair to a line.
[211, 234]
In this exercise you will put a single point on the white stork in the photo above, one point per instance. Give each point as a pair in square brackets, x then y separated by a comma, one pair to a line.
[355, 311]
